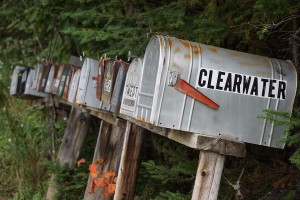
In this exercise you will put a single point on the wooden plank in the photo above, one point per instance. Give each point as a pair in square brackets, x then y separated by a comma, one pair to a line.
[74, 137]
[208, 177]
[107, 116]
[130, 160]
[109, 148]
[194, 140]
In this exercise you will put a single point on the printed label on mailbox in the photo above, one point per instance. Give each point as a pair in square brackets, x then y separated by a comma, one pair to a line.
[107, 85]
[242, 84]
[130, 96]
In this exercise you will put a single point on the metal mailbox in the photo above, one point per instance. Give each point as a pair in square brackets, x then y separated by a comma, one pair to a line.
[50, 81]
[67, 84]
[44, 73]
[101, 70]
[86, 93]
[63, 80]
[214, 91]
[77, 63]
[57, 79]
[36, 76]
[18, 81]
[131, 88]
[74, 85]
[29, 91]
[119, 87]
[110, 74]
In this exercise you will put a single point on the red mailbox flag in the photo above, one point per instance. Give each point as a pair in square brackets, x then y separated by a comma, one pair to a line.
[184, 87]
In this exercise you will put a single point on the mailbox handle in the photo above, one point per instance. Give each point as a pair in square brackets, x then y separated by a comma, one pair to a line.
[184, 87]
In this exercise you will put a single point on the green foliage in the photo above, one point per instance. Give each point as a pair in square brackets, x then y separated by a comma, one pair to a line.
[23, 144]
[171, 176]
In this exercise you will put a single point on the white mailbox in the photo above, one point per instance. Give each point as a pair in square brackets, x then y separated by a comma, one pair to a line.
[74, 85]
[131, 88]
[36, 76]
[50, 80]
[214, 91]
[86, 93]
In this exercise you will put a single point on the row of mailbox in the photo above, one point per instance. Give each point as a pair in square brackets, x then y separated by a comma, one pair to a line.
[180, 85]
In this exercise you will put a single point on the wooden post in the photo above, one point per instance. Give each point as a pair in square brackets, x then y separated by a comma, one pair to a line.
[71, 145]
[74, 137]
[130, 160]
[209, 173]
[121, 150]
[109, 148]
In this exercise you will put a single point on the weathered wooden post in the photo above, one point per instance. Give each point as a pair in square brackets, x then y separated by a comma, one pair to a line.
[208, 177]
[71, 145]
[129, 164]
[109, 149]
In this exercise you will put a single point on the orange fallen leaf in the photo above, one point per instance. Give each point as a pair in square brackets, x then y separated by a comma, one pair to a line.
[100, 161]
[92, 187]
[109, 174]
[115, 180]
[82, 160]
[94, 174]
[100, 182]
[111, 189]
[93, 170]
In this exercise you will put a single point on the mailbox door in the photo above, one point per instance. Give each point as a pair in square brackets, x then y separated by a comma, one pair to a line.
[151, 78]
[42, 70]
[86, 94]
[44, 78]
[100, 77]
[16, 79]
[50, 80]
[36, 76]
[68, 80]
[62, 82]
[131, 88]
[74, 85]
[119, 87]
[57, 80]
[110, 74]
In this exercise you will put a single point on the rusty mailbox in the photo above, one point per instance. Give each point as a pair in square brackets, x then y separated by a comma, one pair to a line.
[57, 79]
[29, 91]
[86, 93]
[214, 91]
[63, 79]
[36, 76]
[68, 82]
[109, 79]
[18, 80]
[43, 77]
[131, 88]
[50, 81]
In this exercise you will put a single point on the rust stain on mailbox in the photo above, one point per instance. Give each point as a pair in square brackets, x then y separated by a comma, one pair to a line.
[110, 74]
[57, 79]
[268, 84]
